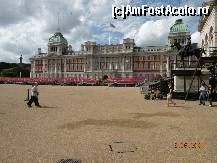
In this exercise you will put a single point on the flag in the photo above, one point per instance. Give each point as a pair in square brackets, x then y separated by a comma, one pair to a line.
[112, 25]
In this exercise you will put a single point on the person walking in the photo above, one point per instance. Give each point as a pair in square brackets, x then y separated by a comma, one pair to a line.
[34, 96]
[203, 91]
[212, 83]
[169, 95]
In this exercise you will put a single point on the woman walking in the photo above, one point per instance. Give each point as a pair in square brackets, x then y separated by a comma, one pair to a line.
[169, 95]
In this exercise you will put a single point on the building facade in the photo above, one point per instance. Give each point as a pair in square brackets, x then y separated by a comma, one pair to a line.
[208, 28]
[119, 60]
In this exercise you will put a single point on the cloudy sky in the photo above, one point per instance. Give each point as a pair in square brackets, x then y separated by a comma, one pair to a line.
[26, 25]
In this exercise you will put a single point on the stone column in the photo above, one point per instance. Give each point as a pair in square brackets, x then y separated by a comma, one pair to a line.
[168, 66]
[33, 69]
[99, 67]
[55, 70]
[64, 63]
[123, 64]
[105, 61]
[84, 67]
[91, 64]
[131, 63]
[175, 62]
[51, 68]
[161, 68]
[43, 67]
[110, 64]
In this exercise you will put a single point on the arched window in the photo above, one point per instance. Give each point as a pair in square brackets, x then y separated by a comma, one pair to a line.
[211, 36]
[146, 65]
[140, 66]
[151, 66]
[206, 42]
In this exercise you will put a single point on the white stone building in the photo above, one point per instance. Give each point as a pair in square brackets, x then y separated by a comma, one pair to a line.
[119, 60]
[208, 28]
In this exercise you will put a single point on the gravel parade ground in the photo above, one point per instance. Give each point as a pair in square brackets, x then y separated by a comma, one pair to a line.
[103, 125]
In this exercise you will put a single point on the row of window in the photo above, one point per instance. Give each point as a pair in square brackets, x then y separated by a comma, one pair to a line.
[146, 76]
[144, 58]
[58, 68]
[110, 59]
[76, 60]
[75, 67]
[57, 49]
[38, 68]
[54, 61]
[150, 50]
[146, 66]
[110, 47]
[107, 59]
[74, 75]
[38, 62]
[53, 49]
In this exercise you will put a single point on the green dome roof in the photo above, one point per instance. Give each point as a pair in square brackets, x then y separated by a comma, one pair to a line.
[57, 38]
[179, 26]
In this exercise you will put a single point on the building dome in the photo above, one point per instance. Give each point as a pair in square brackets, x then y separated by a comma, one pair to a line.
[178, 27]
[57, 38]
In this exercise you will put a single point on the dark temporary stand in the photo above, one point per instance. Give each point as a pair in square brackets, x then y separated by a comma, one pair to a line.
[198, 64]
[183, 54]
[187, 51]
[183, 62]
[211, 61]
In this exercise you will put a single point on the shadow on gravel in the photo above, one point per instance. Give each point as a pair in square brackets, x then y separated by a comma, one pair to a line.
[125, 123]
[158, 114]
[48, 107]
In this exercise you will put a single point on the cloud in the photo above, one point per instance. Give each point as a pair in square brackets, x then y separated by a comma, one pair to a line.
[12, 12]
[68, 11]
[195, 37]
[22, 38]
[27, 25]
[154, 32]
[78, 36]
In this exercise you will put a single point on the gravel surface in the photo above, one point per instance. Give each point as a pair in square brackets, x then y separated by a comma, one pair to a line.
[103, 125]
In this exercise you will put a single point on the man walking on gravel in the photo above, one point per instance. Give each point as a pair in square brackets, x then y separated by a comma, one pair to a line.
[34, 96]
